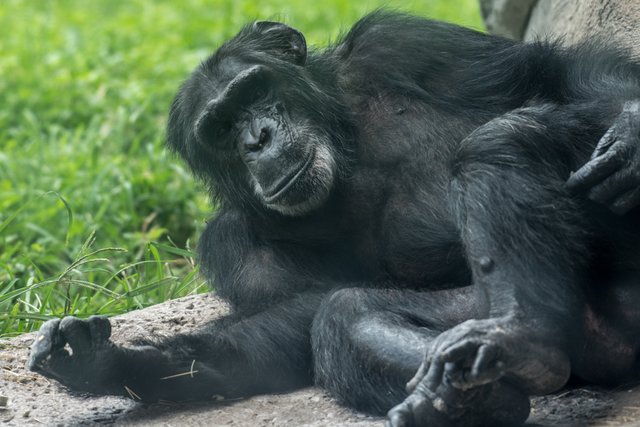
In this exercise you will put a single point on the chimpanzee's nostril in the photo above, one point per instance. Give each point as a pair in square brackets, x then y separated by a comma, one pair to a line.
[259, 143]
[264, 137]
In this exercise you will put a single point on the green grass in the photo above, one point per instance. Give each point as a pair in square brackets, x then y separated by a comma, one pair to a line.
[95, 216]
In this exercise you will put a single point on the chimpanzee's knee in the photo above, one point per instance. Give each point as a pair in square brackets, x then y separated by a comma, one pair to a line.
[363, 354]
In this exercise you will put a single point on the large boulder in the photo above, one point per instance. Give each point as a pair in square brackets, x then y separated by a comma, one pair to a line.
[617, 21]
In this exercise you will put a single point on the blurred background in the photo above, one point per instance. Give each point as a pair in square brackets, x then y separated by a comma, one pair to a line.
[95, 216]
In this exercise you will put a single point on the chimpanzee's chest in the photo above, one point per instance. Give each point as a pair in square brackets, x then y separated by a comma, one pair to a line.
[405, 232]
[399, 194]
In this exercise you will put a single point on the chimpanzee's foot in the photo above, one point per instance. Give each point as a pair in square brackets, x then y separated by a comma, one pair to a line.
[78, 354]
[496, 404]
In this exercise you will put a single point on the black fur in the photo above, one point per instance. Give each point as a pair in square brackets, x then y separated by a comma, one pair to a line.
[362, 189]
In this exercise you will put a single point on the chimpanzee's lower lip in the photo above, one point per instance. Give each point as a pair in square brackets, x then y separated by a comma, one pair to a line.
[285, 183]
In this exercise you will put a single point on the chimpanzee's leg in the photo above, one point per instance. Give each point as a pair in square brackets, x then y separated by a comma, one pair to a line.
[367, 343]
[609, 350]
[231, 357]
[526, 244]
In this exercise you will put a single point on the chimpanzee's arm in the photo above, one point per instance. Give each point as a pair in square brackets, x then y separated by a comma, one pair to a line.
[238, 355]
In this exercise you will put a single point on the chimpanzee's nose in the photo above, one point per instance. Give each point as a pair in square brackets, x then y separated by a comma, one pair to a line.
[258, 134]
[257, 142]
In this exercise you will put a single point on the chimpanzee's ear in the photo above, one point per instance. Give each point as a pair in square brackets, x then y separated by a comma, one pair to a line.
[286, 42]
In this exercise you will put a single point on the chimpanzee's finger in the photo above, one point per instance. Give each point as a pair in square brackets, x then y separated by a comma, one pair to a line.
[595, 170]
[100, 329]
[76, 332]
[422, 370]
[613, 187]
[605, 142]
[47, 340]
[626, 202]
[433, 378]
[459, 351]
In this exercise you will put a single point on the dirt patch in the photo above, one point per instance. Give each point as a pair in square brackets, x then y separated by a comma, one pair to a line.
[34, 400]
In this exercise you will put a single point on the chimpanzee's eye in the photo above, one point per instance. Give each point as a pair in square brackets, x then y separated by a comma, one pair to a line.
[223, 128]
[259, 94]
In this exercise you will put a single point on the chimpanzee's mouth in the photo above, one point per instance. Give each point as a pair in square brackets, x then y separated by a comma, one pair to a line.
[283, 185]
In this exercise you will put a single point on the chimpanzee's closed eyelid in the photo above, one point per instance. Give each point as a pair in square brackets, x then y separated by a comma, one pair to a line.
[259, 94]
[223, 127]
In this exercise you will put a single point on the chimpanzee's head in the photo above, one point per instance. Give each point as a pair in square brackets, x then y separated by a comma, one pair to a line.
[254, 123]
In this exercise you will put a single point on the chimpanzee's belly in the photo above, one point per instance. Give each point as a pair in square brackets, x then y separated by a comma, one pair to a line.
[421, 246]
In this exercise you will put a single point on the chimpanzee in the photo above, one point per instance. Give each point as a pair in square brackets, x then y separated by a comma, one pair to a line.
[403, 201]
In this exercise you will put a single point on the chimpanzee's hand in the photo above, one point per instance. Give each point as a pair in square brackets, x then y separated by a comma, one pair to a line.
[464, 366]
[612, 175]
[471, 354]
[77, 353]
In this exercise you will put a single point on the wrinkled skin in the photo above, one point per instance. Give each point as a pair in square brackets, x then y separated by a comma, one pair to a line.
[417, 204]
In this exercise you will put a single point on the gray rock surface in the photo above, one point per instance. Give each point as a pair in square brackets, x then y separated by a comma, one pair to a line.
[32, 400]
[506, 18]
[572, 20]
[614, 20]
